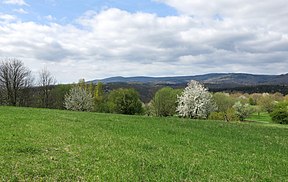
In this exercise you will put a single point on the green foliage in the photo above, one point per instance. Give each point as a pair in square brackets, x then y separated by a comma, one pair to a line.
[100, 99]
[267, 103]
[99, 91]
[242, 110]
[280, 113]
[252, 102]
[217, 116]
[149, 109]
[124, 101]
[223, 101]
[58, 95]
[54, 145]
[229, 115]
[165, 102]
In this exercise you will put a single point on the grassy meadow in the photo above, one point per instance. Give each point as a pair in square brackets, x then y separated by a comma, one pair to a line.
[263, 117]
[54, 145]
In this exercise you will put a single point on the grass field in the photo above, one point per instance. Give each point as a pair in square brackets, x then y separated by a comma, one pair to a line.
[261, 117]
[41, 145]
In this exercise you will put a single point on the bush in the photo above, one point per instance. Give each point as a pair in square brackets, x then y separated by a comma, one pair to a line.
[280, 113]
[217, 116]
[242, 110]
[280, 116]
[229, 115]
[124, 101]
[149, 109]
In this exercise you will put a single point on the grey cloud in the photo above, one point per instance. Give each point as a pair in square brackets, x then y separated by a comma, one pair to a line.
[52, 52]
[115, 42]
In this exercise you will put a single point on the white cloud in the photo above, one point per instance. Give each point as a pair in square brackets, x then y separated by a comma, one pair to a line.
[20, 11]
[50, 18]
[6, 18]
[16, 2]
[115, 42]
[263, 14]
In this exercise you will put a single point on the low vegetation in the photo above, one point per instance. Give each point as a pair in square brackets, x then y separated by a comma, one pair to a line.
[54, 145]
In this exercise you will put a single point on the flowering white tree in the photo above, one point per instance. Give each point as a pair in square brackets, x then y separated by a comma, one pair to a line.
[242, 110]
[195, 101]
[79, 99]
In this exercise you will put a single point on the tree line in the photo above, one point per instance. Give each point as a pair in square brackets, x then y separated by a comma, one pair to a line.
[19, 88]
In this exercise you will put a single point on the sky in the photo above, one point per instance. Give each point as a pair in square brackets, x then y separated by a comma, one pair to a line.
[104, 38]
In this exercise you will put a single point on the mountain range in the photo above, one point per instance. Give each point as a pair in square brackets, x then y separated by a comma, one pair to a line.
[232, 79]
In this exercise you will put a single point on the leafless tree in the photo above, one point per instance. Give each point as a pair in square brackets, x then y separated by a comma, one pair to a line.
[46, 80]
[14, 76]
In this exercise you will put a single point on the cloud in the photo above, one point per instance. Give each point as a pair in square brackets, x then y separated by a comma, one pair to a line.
[20, 11]
[16, 2]
[116, 42]
[264, 14]
[50, 18]
[6, 18]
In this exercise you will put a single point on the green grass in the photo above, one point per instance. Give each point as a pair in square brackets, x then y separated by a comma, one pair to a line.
[52, 145]
[261, 117]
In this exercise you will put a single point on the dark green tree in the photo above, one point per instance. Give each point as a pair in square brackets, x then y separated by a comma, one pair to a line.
[165, 101]
[124, 101]
[280, 113]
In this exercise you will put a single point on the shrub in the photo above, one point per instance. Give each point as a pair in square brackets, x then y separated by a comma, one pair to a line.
[242, 110]
[217, 116]
[280, 113]
[149, 109]
[124, 101]
[231, 115]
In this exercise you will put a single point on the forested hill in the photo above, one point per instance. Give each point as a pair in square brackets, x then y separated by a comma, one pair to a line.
[227, 79]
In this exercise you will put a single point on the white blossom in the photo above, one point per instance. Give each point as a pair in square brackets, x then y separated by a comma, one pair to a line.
[79, 99]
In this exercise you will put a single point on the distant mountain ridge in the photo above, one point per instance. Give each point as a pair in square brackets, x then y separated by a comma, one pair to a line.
[235, 79]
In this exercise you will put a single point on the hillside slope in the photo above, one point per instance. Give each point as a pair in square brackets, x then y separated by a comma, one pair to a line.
[235, 79]
[52, 145]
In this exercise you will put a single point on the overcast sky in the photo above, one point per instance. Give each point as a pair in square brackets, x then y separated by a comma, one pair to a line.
[97, 39]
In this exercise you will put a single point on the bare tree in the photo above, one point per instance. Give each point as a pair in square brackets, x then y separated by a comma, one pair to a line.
[14, 76]
[46, 81]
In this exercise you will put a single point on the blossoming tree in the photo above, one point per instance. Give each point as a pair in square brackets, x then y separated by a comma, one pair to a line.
[195, 101]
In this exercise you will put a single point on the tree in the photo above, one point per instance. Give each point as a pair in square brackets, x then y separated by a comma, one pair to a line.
[100, 98]
[242, 110]
[165, 102]
[286, 98]
[46, 80]
[267, 102]
[58, 94]
[124, 101]
[14, 76]
[195, 101]
[78, 99]
[280, 113]
[224, 102]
